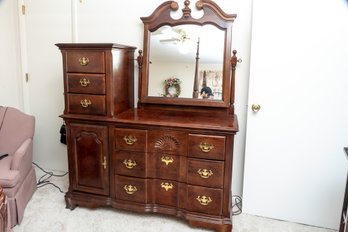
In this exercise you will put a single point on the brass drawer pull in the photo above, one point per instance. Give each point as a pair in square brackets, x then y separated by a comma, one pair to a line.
[84, 82]
[203, 200]
[205, 173]
[130, 189]
[85, 103]
[84, 61]
[104, 162]
[206, 147]
[167, 160]
[129, 163]
[130, 139]
[167, 186]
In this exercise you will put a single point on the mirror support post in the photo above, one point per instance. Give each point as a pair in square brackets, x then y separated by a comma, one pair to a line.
[140, 64]
[195, 87]
[234, 61]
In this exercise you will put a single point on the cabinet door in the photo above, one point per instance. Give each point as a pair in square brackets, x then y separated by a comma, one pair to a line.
[88, 158]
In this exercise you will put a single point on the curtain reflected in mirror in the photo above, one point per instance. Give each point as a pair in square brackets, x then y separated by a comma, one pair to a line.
[184, 59]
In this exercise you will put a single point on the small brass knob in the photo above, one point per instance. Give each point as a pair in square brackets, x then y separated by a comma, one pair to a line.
[256, 107]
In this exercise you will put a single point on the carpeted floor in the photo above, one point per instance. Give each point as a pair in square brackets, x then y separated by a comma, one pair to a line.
[46, 212]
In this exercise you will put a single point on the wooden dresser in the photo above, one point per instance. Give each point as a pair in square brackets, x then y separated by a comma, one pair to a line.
[170, 155]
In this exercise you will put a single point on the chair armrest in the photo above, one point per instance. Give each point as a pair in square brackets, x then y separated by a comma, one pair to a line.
[23, 157]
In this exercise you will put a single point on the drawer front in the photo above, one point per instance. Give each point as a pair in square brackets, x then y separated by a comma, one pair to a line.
[85, 61]
[164, 166]
[130, 189]
[129, 163]
[86, 104]
[207, 147]
[86, 83]
[168, 142]
[204, 200]
[166, 192]
[205, 173]
[130, 139]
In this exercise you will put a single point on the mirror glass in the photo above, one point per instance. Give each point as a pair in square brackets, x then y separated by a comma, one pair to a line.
[174, 55]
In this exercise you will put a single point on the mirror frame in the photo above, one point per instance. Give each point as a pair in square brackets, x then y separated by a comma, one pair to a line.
[213, 15]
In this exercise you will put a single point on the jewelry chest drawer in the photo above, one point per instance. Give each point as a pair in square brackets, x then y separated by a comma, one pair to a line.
[86, 104]
[86, 83]
[205, 173]
[85, 61]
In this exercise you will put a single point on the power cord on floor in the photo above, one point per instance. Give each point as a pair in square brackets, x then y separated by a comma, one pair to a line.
[236, 203]
[44, 180]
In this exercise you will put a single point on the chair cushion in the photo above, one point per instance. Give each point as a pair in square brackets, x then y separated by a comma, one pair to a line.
[8, 178]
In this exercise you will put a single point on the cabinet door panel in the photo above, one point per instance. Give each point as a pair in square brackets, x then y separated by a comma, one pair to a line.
[88, 154]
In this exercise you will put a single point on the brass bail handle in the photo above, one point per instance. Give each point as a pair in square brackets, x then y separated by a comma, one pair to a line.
[84, 61]
[84, 82]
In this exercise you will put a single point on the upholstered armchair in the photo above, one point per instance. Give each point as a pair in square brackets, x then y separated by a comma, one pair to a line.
[17, 174]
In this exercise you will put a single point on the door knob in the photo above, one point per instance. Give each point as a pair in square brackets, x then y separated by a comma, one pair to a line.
[256, 107]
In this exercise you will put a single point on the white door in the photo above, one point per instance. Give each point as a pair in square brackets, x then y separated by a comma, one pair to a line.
[46, 23]
[295, 168]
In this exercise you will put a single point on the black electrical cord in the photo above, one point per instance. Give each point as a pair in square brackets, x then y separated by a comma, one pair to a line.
[236, 203]
[44, 180]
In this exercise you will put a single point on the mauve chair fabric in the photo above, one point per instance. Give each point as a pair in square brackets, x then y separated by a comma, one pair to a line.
[17, 174]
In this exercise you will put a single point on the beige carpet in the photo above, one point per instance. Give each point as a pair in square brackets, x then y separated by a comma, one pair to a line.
[46, 212]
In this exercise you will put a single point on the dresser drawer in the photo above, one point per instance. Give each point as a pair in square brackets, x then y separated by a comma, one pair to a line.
[207, 147]
[130, 189]
[85, 61]
[86, 83]
[166, 192]
[130, 139]
[204, 200]
[168, 142]
[129, 163]
[205, 173]
[164, 166]
[86, 104]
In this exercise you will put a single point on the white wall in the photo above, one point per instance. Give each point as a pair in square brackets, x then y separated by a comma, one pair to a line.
[10, 78]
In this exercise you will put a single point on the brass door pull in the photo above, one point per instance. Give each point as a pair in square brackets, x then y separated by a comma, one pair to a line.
[84, 61]
[104, 162]
[129, 139]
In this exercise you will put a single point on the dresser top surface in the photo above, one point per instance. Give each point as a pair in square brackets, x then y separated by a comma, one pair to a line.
[92, 45]
[184, 119]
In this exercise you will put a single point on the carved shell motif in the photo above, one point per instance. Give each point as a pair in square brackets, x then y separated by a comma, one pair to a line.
[167, 143]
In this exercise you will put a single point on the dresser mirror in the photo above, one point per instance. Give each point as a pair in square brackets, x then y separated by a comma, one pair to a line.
[174, 54]
[187, 61]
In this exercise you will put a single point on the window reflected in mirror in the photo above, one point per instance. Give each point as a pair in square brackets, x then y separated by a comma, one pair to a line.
[178, 54]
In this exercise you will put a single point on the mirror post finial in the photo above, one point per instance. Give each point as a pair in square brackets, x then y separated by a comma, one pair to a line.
[186, 10]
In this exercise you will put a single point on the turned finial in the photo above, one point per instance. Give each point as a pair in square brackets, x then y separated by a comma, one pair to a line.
[186, 10]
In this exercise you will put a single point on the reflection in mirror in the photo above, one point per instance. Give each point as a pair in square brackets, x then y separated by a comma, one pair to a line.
[176, 52]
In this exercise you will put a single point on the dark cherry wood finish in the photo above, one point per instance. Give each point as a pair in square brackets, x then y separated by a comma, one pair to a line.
[170, 156]
[3, 211]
